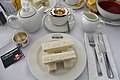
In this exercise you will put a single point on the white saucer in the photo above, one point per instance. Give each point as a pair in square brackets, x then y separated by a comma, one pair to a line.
[110, 22]
[61, 28]
[72, 7]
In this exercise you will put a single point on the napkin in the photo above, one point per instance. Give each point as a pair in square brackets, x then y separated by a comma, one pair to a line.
[92, 70]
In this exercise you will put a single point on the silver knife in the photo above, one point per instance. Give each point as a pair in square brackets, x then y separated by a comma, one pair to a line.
[102, 48]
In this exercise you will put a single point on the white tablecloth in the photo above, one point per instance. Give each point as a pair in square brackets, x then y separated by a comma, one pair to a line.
[20, 70]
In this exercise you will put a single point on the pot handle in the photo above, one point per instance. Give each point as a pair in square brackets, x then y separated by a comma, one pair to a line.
[13, 22]
[101, 24]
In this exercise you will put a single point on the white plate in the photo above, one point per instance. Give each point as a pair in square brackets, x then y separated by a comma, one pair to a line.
[61, 28]
[110, 22]
[39, 70]
[72, 7]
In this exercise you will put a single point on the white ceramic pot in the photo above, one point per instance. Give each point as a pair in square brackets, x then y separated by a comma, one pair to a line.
[28, 19]
[90, 22]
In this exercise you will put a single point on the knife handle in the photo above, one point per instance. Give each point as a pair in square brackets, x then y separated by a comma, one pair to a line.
[108, 67]
[97, 64]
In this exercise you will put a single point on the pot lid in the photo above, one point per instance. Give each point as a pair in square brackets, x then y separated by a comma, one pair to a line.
[27, 12]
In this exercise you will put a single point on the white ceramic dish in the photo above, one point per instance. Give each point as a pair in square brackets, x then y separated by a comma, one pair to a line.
[61, 28]
[39, 70]
[107, 14]
[72, 7]
[110, 22]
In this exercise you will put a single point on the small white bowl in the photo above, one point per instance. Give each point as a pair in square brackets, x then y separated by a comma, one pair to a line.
[21, 39]
[107, 14]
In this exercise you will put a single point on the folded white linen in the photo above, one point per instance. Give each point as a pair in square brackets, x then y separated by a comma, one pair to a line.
[92, 70]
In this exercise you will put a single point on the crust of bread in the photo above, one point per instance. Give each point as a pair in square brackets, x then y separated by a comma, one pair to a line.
[92, 8]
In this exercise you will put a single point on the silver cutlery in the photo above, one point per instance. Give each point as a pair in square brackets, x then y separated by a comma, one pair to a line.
[102, 48]
[92, 44]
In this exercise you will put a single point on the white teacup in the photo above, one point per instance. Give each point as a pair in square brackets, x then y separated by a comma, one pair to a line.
[21, 39]
[59, 16]
[71, 2]
[90, 22]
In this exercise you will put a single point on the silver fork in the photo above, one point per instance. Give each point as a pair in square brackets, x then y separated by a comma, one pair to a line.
[92, 44]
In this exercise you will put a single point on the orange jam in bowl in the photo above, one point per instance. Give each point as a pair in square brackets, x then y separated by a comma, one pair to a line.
[59, 12]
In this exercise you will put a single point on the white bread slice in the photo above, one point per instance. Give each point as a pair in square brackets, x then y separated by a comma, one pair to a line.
[67, 64]
[57, 45]
[52, 68]
[50, 58]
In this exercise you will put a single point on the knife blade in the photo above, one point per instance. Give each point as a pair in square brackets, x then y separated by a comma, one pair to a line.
[102, 48]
